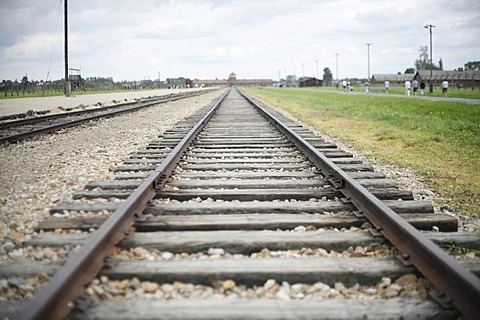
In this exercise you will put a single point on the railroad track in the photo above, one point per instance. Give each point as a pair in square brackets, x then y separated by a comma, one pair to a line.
[12, 131]
[231, 215]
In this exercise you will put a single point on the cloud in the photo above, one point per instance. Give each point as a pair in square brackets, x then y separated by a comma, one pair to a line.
[254, 38]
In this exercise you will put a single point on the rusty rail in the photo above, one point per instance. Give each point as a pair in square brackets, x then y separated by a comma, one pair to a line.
[456, 284]
[56, 300]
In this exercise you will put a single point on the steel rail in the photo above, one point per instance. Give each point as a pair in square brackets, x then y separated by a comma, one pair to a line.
[56, 299]
[455, 283]
[104, 113]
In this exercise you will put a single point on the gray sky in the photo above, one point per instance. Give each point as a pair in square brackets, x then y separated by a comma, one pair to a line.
[207, 39]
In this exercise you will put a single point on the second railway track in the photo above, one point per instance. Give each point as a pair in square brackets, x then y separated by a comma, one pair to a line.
[247, 223]
[12, 131]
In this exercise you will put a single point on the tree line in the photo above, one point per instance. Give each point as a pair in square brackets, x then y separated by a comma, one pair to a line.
[27, 87]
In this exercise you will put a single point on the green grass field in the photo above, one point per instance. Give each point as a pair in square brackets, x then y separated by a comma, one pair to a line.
[29, 95]
[440, 140]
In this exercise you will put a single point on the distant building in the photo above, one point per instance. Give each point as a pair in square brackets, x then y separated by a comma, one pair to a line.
[394, 79]
[456, 79]
[310, 82]
[232, 81]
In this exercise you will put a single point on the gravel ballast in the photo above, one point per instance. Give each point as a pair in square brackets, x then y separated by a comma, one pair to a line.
[40, 172]
[88, 101]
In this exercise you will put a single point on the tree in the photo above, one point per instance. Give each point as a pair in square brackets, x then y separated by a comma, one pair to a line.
[472, 65]
[327, 76]
[25, 80]
[409, 70]
[290, 80]
[24, 83]
[423, 61]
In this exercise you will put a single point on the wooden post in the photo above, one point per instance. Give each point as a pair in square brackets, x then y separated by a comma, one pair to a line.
[67, 83]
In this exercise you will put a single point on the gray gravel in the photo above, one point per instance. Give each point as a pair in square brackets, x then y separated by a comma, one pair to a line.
[407, 286]
[58, 103]
[40, 172]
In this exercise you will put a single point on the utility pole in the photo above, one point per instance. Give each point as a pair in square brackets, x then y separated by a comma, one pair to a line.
[67, 83]
[368, 59]
[294, 76]
[429, 26]
[316, 81]
[336, 66]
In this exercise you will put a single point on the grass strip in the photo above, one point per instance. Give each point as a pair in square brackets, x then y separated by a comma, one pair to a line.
[440, 140]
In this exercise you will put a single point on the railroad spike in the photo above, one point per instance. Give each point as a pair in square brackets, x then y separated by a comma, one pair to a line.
[405, 259]
[441, 297]
[376, 232]
[82, 303]
[359, 214]
[109, 262]
[139, 216]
